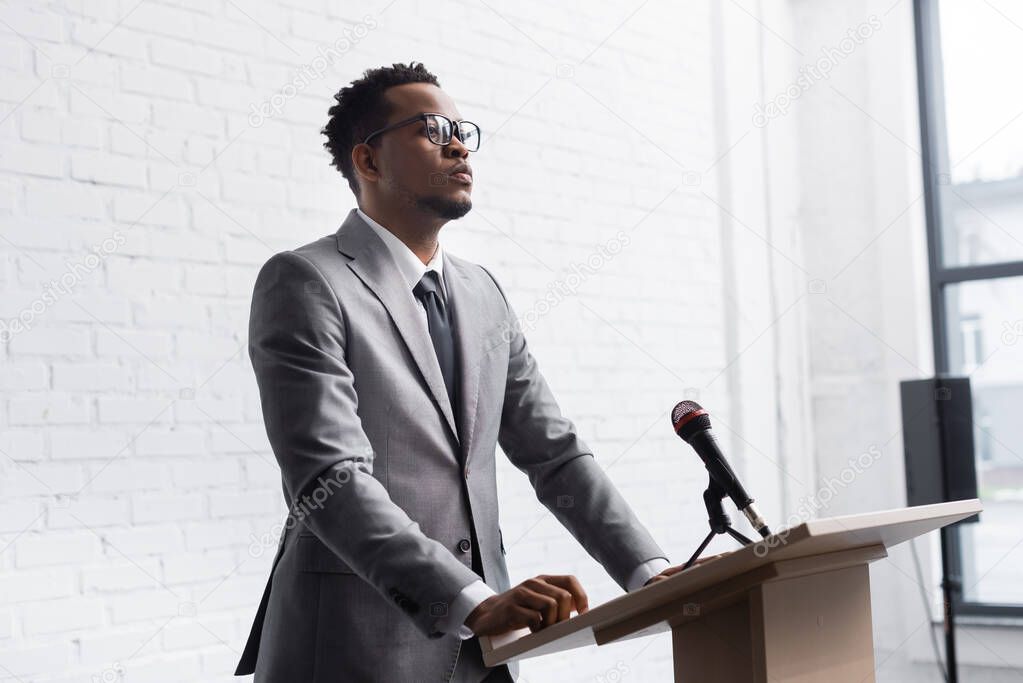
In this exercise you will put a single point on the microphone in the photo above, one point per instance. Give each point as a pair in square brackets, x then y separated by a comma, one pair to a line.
[692, 423]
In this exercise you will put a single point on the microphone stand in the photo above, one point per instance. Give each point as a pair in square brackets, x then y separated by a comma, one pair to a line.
[720, 523]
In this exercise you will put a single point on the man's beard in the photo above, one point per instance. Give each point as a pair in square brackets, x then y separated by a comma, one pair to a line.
[442, 207]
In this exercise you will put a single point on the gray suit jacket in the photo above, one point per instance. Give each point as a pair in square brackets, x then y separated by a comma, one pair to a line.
[376, 543]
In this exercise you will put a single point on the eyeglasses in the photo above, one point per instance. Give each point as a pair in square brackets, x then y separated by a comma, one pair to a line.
[439, 129]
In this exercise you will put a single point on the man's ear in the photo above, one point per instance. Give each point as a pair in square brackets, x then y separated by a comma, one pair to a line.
[364, 163]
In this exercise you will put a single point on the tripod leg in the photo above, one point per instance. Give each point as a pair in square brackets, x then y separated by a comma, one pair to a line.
[737, 536]
[699, 550]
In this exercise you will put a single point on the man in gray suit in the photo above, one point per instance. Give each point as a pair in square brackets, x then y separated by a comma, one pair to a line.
[389, 370]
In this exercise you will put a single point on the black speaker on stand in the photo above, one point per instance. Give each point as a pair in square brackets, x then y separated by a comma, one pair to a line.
[937, 438]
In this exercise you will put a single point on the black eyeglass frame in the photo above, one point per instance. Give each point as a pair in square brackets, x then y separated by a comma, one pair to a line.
[456, 129]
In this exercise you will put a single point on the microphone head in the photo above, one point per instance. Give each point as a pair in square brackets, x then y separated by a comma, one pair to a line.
[688, 418]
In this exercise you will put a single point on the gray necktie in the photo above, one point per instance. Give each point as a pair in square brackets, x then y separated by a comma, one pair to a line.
[428, 291]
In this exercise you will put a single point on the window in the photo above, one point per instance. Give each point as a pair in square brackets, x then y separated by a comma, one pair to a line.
[970, 342]
[972, 147]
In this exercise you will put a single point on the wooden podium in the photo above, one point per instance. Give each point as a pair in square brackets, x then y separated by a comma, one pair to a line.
[792, 607]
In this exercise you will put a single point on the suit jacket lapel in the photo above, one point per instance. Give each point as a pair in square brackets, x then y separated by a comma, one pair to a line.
[469, 320]
[373, 264]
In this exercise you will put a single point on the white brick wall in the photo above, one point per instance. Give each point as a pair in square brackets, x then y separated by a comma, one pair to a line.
[138, 494]
[140, 467]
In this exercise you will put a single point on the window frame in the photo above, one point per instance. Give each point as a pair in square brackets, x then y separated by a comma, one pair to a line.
[934, 154]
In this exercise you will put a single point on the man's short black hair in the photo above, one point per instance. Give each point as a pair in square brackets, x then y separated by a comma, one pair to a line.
[361, 109]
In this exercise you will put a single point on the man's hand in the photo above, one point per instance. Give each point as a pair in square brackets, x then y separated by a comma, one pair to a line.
[536, 603]
[671, 571]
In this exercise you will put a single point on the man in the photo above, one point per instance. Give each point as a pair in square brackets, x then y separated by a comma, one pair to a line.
[389, 370]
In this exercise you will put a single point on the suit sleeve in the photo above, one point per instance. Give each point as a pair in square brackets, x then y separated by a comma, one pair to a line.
[307, 392]
[544, 444]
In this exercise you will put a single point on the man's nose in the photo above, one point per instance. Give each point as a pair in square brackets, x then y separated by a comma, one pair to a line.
[455, 148]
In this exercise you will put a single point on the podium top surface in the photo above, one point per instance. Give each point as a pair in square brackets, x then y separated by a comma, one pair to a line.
[886, 528]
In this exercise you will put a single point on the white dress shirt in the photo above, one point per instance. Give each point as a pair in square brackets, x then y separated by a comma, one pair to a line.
[412, 269]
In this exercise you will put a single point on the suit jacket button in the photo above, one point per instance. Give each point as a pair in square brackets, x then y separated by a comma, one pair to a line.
[464, 545]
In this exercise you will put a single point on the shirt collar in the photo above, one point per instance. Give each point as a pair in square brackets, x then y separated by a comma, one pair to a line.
[411, 267]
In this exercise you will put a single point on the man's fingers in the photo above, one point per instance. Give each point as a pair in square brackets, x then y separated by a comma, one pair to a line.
[523, 616]
[671, 571]
[546, 604]
[572, 585]
[536, 603]
[711, 557]
[563, 608]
